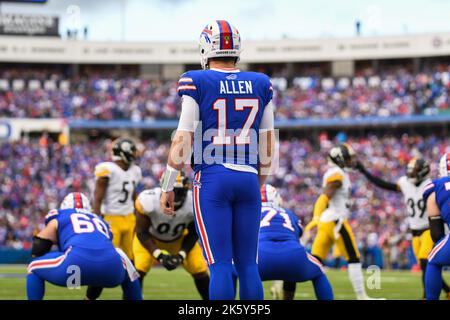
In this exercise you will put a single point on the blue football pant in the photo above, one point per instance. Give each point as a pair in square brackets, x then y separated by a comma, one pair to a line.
[227, 206]
[76, 268]
[289, 261]
[438, 257]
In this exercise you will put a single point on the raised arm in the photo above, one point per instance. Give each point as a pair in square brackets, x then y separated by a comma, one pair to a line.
[377, 181]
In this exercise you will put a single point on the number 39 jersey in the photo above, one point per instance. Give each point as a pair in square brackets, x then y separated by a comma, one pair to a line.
[163, 227]
[415, 205]
[231, 105]
[118, 200]
[80, 228]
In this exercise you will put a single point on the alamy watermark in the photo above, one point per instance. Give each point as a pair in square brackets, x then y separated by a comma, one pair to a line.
[74, 279]
[373, 281]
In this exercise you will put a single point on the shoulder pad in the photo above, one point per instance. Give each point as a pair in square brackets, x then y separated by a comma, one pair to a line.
[52, 214]
[146, 201]
[428, 190]
[333, 174]
[103, 169]
[187, 85]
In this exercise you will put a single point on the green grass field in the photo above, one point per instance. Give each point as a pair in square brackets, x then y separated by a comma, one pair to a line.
[163, 285]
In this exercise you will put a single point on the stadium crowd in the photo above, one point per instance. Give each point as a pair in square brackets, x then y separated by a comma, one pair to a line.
[36, 174]
[100, 97]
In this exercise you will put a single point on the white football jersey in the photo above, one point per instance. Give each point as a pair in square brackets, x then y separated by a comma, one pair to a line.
[165, 227]
[339, 204]
[415, 205]
[118, 200]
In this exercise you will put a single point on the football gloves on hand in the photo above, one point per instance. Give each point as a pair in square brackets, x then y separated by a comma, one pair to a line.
[169, 261]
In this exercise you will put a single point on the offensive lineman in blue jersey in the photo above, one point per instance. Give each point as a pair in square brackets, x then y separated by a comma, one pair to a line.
[437, 197]
[280, 254]
[86, 255]
[228, 119]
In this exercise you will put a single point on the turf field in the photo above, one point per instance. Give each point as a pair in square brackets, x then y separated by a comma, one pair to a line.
[164, 285]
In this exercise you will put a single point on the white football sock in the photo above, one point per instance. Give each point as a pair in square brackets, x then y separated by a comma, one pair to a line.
[357, 279]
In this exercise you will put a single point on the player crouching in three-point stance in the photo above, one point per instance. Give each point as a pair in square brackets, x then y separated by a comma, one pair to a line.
[280, 254]
[171, 240]
[411, 186]
[331, 211]
[227, 116]
[437, 197]
[86, 255]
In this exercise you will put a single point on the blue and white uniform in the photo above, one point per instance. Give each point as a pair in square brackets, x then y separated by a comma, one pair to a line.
[226, 109]
[282, 257]
[440, 254]
[84, 249]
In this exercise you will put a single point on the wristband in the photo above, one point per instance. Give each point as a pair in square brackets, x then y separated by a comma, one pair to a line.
[168, 179]
[182, 253]
[156, 253]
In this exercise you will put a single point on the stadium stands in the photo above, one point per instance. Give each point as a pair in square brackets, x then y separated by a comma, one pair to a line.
[49, 94]
[35, 174]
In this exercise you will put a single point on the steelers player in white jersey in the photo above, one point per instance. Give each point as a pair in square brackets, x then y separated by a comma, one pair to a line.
[411, 186]
[171, 240]
[331, 212]
[114, 196]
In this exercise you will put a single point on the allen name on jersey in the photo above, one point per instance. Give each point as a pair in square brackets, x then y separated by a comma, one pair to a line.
[235, 87]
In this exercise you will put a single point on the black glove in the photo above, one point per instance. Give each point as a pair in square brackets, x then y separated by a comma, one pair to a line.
[165, 259]
[176, 260]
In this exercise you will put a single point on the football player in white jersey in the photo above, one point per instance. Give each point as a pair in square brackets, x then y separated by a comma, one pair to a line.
[411, 186]
[171, 240]
[114, 196]
[331, 212]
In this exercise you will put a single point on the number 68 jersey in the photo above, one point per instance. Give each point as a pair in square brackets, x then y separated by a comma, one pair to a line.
[163, 227]
[118, 200]
[415, 205]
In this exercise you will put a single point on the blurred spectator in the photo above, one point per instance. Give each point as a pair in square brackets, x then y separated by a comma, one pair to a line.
[397, 92]
[36, 174]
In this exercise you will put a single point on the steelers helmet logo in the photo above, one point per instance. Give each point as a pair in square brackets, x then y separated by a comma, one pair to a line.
[126, 146]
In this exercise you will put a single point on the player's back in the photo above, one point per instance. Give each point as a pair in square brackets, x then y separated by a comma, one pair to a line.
[278, 224]
[81, 229]
[441, 188]
[231, 104]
